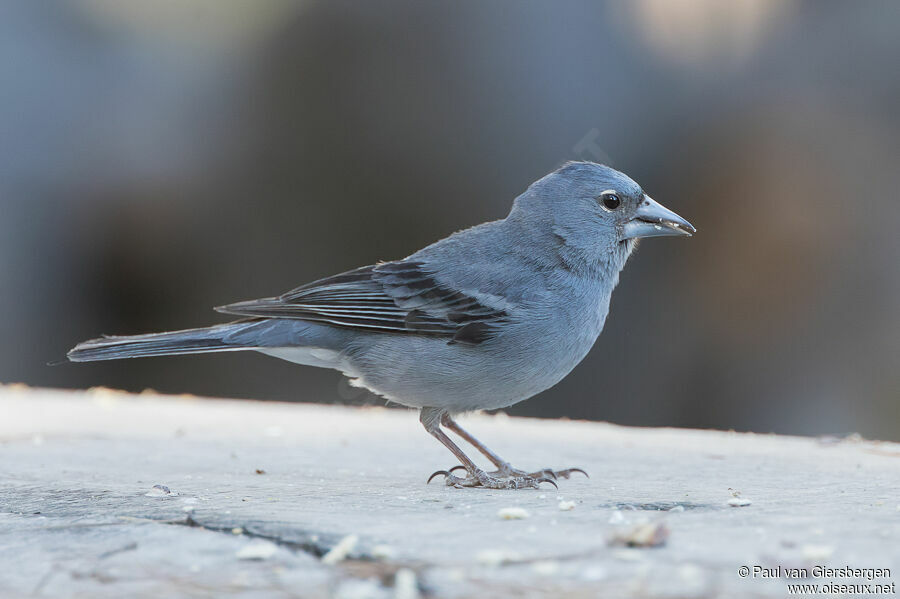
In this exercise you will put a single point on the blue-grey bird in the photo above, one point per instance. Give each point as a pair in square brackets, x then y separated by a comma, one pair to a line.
[482, 319]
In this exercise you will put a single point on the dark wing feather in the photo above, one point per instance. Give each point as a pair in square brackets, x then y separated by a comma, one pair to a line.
[392, 297]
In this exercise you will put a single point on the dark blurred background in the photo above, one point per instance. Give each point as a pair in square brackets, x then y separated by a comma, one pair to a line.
[158, 159]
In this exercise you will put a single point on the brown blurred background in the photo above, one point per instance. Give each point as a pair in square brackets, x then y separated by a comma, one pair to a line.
[157, 159]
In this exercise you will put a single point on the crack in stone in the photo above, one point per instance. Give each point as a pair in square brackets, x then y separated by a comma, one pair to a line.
[357, 565]
[313, 543]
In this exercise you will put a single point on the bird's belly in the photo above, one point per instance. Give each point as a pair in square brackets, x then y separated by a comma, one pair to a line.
[427, 372]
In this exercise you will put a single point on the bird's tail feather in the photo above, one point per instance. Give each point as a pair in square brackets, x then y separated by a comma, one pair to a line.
[190, 341]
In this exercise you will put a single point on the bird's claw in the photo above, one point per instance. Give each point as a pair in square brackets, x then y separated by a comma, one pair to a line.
[550, 473]
[565, 473]
[538, 481]
[454, 481]
[446, 473]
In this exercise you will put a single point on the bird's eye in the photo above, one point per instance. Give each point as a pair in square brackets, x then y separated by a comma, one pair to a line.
[610, 201]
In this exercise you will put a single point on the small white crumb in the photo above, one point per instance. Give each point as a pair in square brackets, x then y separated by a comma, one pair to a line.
[237, 530]
[817, 553]
[739, 502]
[647, 534]
[566, 506]
[513, 513]
[496, 557]
[257, 550]
[736, 499]
[677, 508]
[339, 552]
[405, 584]
[383, 552]
[160, 491]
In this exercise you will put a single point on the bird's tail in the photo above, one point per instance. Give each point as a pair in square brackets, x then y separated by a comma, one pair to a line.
[189, 341]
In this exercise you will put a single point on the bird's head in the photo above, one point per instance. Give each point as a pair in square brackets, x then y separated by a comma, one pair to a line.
[595, 213]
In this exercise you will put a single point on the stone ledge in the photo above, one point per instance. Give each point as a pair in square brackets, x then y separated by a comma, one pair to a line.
[276, 499]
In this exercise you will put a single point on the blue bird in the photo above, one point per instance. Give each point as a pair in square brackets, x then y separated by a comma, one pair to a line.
[482, 319]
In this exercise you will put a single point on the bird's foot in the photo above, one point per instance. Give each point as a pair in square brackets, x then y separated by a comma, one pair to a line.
[507, 471]
[555, 474]
[480, 478]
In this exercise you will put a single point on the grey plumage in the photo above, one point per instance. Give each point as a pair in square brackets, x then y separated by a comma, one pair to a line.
[483, 319]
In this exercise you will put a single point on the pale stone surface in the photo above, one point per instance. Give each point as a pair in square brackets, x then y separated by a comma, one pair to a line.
[260, 492]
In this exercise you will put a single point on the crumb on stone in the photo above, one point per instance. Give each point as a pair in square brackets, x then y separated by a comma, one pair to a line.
[160, 491]
[513, 513]
[339, 552]
[257, 550]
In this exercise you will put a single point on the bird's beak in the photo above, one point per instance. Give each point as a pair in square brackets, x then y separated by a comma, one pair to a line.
[655, 220]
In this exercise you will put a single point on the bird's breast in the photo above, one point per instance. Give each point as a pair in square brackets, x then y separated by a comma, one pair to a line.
[552, 340]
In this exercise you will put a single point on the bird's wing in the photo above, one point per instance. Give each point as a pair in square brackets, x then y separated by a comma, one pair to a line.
[392, 297]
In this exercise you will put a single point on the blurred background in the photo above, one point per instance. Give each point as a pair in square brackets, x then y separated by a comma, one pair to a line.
[161, 158]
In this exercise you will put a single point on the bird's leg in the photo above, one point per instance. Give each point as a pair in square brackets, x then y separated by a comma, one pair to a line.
[504, 468]
[476, 477]
[430, 419]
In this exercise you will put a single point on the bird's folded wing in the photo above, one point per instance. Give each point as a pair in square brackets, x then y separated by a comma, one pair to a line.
[391, 297]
